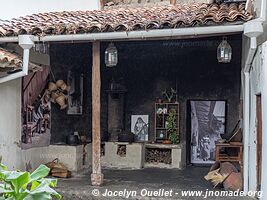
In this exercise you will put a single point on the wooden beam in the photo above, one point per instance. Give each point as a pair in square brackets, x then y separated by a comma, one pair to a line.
[96, 176]
[102, 4]
[173, 2]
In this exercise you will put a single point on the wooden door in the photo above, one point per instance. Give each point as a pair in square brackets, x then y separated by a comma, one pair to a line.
[259, 140]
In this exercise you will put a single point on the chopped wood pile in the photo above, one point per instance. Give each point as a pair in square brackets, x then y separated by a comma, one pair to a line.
[154, 155]
[226, 175]
[121, 150]
[58, 169]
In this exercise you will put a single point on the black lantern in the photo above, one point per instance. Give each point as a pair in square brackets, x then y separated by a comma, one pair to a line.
[111, 55]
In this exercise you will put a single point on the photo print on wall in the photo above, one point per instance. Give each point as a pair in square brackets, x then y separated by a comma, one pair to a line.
[207, 126]
[139, 126]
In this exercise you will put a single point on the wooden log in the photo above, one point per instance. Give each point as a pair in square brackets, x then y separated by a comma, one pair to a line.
[96, 176]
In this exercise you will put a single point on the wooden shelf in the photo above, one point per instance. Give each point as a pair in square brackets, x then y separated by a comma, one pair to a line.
[221, 156]
[162, 128]
[173, 103]
[165, 114]
[161, 118]
[163, 146]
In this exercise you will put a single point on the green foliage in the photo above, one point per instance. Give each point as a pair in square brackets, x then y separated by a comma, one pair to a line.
[16, 185]
[169, 95]
[171, 127]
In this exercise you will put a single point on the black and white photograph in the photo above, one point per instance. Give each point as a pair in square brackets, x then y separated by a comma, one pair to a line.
[75, 94]
[207, 126]
[139, 126]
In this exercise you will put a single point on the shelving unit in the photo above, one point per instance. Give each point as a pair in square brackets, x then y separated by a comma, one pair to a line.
[162, 111]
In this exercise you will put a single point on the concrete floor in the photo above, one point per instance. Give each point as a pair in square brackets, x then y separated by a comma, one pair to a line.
[151, 179]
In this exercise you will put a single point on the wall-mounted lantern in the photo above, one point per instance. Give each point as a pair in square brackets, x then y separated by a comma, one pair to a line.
[111, 55]
[41, 47]
[224, 52]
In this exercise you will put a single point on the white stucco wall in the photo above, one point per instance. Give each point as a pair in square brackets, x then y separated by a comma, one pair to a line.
[16, 8]
[256, 89]
[10, 123]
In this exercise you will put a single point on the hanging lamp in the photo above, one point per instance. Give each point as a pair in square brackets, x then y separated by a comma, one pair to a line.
[111, 55]
[224, 51]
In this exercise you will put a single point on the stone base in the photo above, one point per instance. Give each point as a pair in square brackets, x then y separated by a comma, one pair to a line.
[97, 179]
[133, 159]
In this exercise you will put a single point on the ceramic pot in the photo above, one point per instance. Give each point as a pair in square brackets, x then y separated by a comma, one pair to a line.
[61, 100]
[54, 96]
[59, 83]
[64, 87]
[72, 140]
[52, 86]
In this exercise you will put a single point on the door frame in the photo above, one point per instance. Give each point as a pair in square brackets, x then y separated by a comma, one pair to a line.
[259, 140]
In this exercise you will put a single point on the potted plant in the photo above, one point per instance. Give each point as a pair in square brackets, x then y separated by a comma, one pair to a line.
[171, 127]
[169, 95]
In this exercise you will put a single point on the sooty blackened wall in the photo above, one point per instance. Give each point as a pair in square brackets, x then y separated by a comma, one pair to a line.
[147, 68]
[77, 57]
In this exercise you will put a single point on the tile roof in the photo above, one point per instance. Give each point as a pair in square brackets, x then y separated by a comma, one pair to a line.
[11, 62]
[126, 19]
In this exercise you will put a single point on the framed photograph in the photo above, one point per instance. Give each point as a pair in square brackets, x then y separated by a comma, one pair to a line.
[139, 126]
[75, 95]
[207, 126]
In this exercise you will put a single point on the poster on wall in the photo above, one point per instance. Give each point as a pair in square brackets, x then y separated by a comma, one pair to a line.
[75, 94]
[207, 126]
[36, 110]
[139, 126]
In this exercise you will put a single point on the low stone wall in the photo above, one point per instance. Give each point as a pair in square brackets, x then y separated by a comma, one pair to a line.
[75, 158]
[126, 155]
[132, 158]
[114, 155]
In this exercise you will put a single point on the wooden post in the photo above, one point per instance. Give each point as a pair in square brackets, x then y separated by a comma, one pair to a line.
[173, 2]
[102, 4]
[96, 176]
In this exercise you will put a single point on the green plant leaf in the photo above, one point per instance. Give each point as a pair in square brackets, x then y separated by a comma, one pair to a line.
[17, 179]
[5, 191]
[34, 185]
[52, 182]
[44, 188]
[41, 172]
[38, 196]
[14, 185]
[3, 167]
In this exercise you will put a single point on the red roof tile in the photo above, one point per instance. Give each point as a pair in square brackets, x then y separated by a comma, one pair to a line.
[10, 61]
[126, 19]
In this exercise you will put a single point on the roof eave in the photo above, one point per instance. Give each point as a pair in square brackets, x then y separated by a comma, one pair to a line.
[137, 35]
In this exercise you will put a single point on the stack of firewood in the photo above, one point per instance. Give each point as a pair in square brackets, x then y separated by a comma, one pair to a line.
[121, 150]
[58, 169]
[158, 156]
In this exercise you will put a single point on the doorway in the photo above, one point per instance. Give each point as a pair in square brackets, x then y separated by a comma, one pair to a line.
[259, 141]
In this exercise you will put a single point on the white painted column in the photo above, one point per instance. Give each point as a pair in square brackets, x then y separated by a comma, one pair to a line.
[246, 132]
[264, 120]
